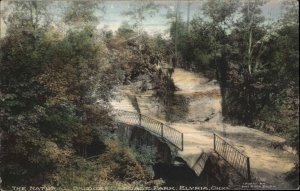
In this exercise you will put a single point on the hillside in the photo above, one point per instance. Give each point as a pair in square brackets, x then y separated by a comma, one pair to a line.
[267, 152]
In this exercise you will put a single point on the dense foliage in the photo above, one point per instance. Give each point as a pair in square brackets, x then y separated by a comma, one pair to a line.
[255, 61]
[55, 92]
[56, 83]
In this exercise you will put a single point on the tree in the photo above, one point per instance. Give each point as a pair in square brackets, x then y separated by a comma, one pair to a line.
[220, 12]
[49, 87]
[139, 11]
[30, 15]
[26, 152]
[247, 42]
[206, 49]
[79, 72]
[82, 13]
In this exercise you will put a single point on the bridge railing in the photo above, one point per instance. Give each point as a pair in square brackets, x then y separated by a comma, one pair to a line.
[161, 130]
[174, 136]
[235, 158]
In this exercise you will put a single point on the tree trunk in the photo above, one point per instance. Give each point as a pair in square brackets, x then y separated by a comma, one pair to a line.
[249, 52]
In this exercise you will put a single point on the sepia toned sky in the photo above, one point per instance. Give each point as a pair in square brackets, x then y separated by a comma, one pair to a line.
[158, 23]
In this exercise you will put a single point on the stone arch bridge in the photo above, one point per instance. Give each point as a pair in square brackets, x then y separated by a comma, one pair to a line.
[238, 161]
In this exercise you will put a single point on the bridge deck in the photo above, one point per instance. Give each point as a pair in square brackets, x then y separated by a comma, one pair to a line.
[267, 164]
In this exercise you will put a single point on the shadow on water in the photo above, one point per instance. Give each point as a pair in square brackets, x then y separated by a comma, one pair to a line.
[176, 175]
[183, 175]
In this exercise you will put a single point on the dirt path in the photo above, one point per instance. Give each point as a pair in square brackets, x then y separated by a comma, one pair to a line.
[204, 117]
[267, 163]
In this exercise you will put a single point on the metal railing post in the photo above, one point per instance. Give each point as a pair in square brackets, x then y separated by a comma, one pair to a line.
[162, 129]
[140, 119]
[248, 169]
[182, 141]
[215, 142]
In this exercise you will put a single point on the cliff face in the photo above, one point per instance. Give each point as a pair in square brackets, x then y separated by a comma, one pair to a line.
[204, 96]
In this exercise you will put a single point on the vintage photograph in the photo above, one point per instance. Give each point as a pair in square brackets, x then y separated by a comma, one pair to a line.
[108, 95]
